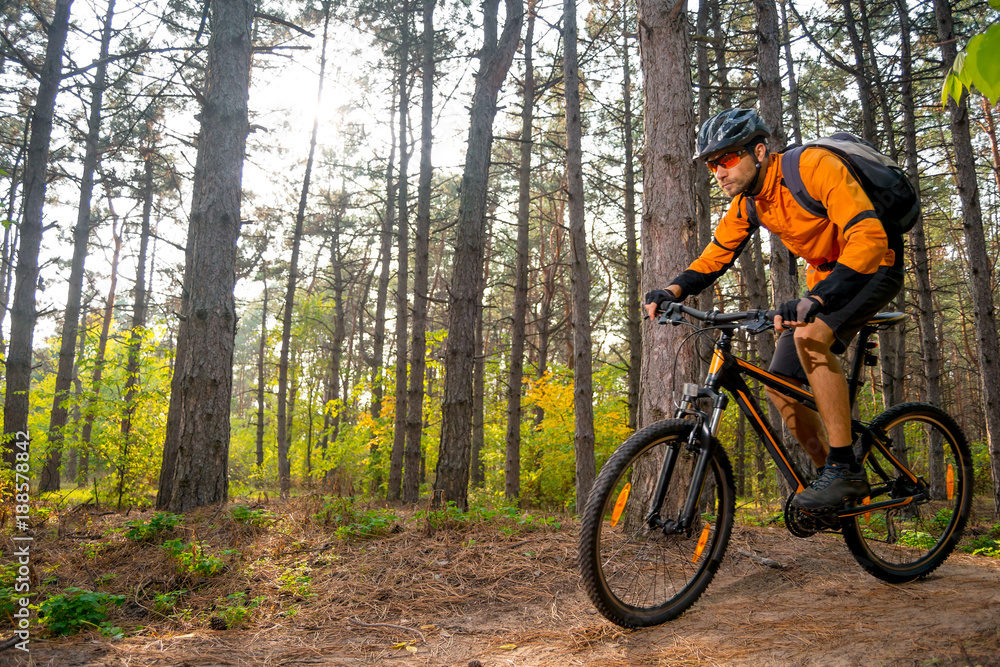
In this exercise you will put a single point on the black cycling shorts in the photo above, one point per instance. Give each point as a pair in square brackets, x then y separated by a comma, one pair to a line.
[846, 322]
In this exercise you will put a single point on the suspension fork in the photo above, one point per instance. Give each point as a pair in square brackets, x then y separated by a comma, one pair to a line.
[700, 441]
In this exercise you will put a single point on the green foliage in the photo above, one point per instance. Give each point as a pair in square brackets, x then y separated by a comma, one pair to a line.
[76, 609]
[977, 65]
[165, 603]
[142, 531]
[296, 581]
[8, 594]
[548, 476]
[257, 518]
[917, 539]
[192, 557]
[987, 544]
[510, 520]
[348, 521]
[237, 608]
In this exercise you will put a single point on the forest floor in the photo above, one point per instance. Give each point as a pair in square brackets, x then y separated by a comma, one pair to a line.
[486, 593]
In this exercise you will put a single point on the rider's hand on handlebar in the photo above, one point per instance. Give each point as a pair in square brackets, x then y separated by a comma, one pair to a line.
[657, 299]
[797, 313]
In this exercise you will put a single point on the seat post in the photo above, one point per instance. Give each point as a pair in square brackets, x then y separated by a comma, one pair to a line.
[854, 382]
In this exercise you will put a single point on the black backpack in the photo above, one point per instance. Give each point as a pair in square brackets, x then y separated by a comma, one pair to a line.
[891, 193]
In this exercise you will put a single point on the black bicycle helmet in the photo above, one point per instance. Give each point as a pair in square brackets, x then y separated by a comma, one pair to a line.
[731, 128]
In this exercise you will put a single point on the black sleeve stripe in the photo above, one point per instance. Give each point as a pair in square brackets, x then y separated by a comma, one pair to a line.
[716, 242]
[864, 215]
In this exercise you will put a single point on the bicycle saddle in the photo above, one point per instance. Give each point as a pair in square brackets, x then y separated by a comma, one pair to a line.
[886, 319]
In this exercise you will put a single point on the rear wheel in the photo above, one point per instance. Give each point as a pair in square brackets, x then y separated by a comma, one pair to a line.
[637, 574]
[904, 543]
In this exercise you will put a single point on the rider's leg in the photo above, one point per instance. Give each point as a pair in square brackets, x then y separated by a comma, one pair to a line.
[805, 424]
[813, 343]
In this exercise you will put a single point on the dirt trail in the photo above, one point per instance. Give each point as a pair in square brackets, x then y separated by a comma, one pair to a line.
[496, 600]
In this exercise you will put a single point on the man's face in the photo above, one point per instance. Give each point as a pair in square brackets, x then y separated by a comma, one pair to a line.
[739, 176]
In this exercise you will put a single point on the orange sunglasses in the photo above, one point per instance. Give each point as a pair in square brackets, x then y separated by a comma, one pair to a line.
[727, 161]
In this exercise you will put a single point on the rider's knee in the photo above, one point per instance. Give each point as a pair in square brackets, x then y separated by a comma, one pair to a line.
[814, 337]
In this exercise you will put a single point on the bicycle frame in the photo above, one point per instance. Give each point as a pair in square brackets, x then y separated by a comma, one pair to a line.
[726, 374]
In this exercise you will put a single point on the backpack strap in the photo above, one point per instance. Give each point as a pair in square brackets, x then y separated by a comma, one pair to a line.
[755, 223]
[792, 179]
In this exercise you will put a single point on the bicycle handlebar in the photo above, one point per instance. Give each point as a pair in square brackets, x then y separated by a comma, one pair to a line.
[755, 320]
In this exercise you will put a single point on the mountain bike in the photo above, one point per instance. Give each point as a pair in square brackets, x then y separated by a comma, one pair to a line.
[659, 517]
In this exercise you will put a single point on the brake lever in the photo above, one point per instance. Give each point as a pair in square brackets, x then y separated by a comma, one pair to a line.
[671, 314]
[758, 325]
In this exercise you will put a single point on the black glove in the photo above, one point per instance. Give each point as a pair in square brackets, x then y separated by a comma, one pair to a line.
[660, 297]
[800, 310]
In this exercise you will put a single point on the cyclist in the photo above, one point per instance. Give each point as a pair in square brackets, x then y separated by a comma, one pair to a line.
[854, 270]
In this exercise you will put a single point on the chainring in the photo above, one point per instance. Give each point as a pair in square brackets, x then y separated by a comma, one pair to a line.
[803, 524]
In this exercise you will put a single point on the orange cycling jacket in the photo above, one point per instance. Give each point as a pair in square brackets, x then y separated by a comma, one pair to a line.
[843, 250]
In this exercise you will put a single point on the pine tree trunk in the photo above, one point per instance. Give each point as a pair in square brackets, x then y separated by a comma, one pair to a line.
[9, 248]
[721, 68]
[515, 370]
[139, 308]
[793, 86]
[669, 231]
[988, 344]
[421, 264]
[860, 69]
[377, 360]
[920, 259]
[703, 177]
[477, 469]
[102, 343]
[452, 474]
[583, 383]
[633, 304]
[261, 355]
[195, 468]
[284, 440]
[402, 263]
[385, 259]
[81, 235]
[23, 315]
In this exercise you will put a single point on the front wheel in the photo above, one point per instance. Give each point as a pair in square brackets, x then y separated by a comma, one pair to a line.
[926, 456]
[637, 574]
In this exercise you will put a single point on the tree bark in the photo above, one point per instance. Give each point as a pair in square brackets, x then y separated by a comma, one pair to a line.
[793, 86]
[139, 308]
[988, 345]
[421, 263]
[515, 370]
[102, 344]
[261, 352]
[861, 76]
[669, 232]
[81, 236]
[920, 259]
[703, 177]
[633, 304]
[284, 465]
[22, 314]
[195, 469]
[452, 474]
[402, 263]
[583, 385]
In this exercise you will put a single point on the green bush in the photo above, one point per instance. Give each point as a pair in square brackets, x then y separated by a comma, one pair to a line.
[76, 609]
[348, 521]
[236, 609]
[161, 522]
[191, 557]
[257, 518]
